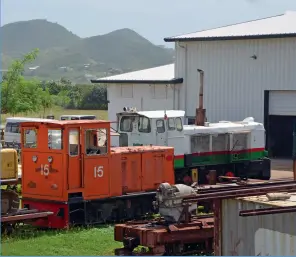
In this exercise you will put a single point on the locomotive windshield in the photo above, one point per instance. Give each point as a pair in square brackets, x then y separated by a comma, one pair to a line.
[144, 125]
[126, 123]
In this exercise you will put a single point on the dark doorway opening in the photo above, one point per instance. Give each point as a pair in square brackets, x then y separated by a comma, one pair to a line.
[280, 134]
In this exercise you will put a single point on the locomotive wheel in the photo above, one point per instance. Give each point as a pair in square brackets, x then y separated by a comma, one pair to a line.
[10, 201]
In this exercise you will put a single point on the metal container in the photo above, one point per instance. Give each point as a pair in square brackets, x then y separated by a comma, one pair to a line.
[272, 234]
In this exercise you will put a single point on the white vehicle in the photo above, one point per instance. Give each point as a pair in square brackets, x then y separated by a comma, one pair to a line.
[236, 148]
[12, 136]
[78, 117]
[114, 138]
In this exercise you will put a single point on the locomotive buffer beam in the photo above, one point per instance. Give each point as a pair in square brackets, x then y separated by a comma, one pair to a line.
[159, 238]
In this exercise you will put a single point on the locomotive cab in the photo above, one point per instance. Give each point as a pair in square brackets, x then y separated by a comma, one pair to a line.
[162, 128]
[79, 147]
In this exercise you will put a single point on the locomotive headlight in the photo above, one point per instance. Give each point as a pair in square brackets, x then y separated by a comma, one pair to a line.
[34, 158]
[49, 159]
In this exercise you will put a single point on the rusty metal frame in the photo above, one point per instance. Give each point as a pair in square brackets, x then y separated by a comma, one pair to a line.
[161, 237]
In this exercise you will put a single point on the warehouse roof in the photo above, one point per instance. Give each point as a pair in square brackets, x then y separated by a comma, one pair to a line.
[279, 26]
[157, 75]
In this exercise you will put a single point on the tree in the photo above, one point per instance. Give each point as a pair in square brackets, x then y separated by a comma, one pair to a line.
[12, 86]
[46, 100]
[53, 87]
[75, 96]
[95, 99]
[61, 99]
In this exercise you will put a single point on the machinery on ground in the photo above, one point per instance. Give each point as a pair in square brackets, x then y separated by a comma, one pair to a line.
[10, 200]
[234, 149]
[182, 231]
[70, 170]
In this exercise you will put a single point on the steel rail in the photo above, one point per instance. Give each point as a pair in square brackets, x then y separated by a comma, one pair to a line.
[225, 187]
[268, 211]
[239, 192]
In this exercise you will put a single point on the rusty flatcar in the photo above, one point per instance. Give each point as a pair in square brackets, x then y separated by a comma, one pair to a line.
[69, 168]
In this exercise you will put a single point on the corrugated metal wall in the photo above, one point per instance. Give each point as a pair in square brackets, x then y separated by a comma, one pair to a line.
[235, 82]
[272, 235]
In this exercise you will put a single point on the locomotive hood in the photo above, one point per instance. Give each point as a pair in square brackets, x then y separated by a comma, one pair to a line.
[224, 127]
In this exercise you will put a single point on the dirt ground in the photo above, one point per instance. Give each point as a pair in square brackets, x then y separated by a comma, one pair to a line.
[281, 169]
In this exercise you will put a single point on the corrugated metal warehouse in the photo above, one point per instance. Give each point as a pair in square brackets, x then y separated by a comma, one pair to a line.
[249, 71]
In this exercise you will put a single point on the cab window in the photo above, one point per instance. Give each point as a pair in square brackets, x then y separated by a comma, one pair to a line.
[144, 125]
[55, 139]
[74, 142]
[13, 128]
[30, 138]
[171, 124]
[96, 142]
[178, 123]
[8, 127]
[160, 126]
[126, 124]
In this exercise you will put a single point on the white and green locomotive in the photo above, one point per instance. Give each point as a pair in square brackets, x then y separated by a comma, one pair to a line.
[230, 148]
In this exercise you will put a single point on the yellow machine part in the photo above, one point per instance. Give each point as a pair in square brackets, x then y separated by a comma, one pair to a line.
[194, 175]
[9, 164]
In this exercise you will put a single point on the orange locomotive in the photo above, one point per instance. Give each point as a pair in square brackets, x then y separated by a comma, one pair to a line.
[69, 168]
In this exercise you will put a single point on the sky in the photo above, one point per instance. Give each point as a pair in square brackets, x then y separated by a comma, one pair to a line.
[153, 19]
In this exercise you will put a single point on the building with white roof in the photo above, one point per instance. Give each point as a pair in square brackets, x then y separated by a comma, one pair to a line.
[149, 89]
[249, 71]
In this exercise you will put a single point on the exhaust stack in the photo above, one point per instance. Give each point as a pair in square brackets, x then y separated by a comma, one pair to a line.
[200, 115]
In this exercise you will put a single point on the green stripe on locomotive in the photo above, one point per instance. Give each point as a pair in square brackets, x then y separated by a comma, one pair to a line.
[220, 158]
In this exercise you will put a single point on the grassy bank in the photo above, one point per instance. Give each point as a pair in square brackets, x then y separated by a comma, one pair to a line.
[91, 242]
[57, 112]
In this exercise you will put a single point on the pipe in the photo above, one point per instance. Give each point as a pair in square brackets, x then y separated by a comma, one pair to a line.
[209, 189]
[200, 99]
[241, 192]
[260, 212]
[200, 112]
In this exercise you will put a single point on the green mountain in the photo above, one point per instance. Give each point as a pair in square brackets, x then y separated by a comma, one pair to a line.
[64, 54]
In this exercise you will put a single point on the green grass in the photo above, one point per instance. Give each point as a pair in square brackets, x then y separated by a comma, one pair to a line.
[76, 241]
[57, 112]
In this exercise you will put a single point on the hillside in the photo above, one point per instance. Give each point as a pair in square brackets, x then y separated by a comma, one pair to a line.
[64, 54]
